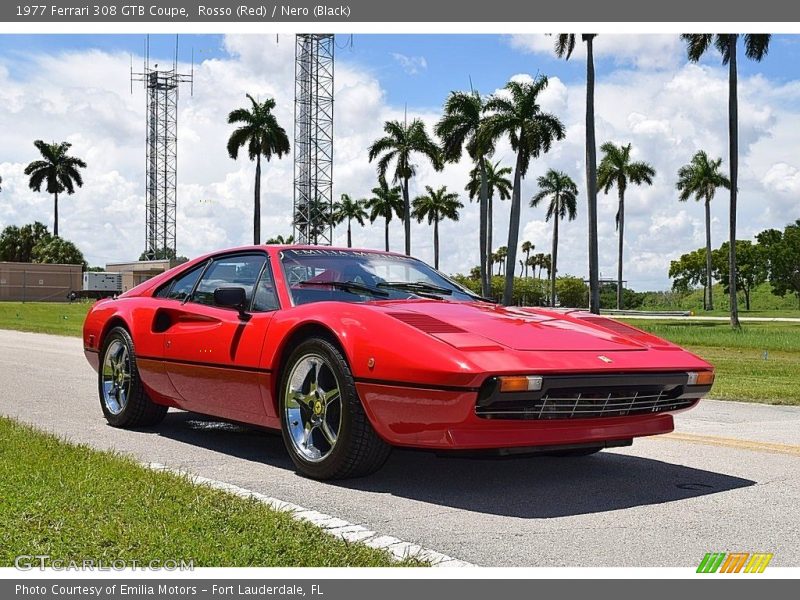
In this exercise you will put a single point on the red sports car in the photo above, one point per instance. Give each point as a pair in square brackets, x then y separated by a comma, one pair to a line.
[351, 352]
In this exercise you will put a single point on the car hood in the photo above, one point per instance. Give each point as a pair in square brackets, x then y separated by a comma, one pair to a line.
[512, 327]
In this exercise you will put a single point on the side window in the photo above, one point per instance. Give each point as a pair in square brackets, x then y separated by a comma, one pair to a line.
[229, 271]
[265, 298]
[183, 286]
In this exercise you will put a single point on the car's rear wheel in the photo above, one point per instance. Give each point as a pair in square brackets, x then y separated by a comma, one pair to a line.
[122, 396]
[323, 424]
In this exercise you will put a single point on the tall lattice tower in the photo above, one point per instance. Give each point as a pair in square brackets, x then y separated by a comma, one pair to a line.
[313, 139]
[161, 159]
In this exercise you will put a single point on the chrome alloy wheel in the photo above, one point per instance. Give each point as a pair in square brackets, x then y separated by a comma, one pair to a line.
[116, 376]
[313, 408]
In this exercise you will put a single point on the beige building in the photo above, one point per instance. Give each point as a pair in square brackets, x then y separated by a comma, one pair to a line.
[31, 282]
[134, 273]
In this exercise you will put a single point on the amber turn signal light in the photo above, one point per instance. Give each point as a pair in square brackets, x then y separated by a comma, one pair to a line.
[523, 383]
[701, 378]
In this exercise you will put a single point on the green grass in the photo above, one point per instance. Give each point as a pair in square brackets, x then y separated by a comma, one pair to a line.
[761, 363]
[72, 502]
[60, 318]
[763, 302]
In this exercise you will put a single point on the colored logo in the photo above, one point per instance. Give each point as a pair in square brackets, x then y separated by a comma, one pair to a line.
[734, 562]
[605, 359]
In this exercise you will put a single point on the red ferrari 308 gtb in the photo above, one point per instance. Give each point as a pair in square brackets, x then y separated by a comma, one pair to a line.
[351, 352]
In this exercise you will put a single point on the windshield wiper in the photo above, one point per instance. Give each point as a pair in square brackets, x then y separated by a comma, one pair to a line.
[417, 287]
[347, 286]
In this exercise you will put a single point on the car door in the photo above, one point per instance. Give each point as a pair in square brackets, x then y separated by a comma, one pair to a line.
[162, 310]
[212, 353]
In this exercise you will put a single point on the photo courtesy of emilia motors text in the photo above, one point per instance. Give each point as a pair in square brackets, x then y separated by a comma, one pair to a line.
[354, 299]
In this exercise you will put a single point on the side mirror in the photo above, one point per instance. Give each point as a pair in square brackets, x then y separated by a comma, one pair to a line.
[232, 297]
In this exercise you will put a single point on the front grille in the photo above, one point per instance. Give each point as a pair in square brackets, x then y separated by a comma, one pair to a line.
[592, 398]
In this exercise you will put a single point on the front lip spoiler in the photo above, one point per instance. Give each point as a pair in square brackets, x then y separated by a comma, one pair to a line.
[534, 450]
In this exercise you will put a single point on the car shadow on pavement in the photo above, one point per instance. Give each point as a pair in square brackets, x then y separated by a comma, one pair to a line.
[240, 441]
[524, 487]
[542, 486]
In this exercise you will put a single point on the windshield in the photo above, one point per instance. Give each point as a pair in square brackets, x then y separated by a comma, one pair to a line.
[317, 275]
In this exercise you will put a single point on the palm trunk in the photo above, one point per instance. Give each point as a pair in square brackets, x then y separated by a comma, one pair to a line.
[489, 232]
[55, 214]
[733, 134]
[621, 227]
[407, 216]
[513, 232]
[553, 267]
[591, 182]
[257, 204]
[386, 232]
[349, 235]
[709, 300]
[436, 244]
[484, 192]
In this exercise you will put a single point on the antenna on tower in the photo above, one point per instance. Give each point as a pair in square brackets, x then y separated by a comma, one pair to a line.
[161, 151]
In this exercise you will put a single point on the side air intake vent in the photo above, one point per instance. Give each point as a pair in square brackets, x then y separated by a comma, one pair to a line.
[426, 323]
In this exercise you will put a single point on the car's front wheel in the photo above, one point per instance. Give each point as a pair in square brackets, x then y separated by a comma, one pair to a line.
[324, 426]
[122, 395]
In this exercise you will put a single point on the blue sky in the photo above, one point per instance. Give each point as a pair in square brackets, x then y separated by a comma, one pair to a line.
[76, 88]
[450, 60]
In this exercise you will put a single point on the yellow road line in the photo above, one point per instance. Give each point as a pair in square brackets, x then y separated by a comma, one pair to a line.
[712, 440]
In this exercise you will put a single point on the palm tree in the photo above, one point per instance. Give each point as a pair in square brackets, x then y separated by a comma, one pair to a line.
[349, 210]
[458, 129]
[565, 44]
[496, 181]
[616, 169]
[385, 202]
[263, 136]
[756, 47]
[701, 178]
[58, 170]
[531, 262]
[500, 258]
[563, 194]
[547, 264]
[527, 247]
[436, 206]
[399, 145]
[279, 239]
[531, 132]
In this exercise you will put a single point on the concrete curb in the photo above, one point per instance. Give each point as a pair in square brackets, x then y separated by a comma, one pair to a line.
[331, 525]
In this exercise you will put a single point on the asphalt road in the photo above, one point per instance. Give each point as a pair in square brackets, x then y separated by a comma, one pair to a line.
[728, 480]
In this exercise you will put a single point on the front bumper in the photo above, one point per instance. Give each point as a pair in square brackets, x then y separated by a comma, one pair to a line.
[451, 419]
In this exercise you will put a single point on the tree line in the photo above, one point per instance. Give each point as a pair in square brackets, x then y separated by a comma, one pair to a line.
[773, 257]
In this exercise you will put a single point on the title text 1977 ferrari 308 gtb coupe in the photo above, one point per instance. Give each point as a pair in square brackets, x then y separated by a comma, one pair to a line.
[351, 352]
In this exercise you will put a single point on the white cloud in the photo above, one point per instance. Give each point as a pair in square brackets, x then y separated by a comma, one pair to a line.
[84, 97]
[412, 65]
[641, 51]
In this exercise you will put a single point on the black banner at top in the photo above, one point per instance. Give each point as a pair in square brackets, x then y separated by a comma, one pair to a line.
[439, 11]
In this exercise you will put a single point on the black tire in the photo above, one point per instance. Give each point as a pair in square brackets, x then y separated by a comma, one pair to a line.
[574, 452]
[138, 410]
[358, 450]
